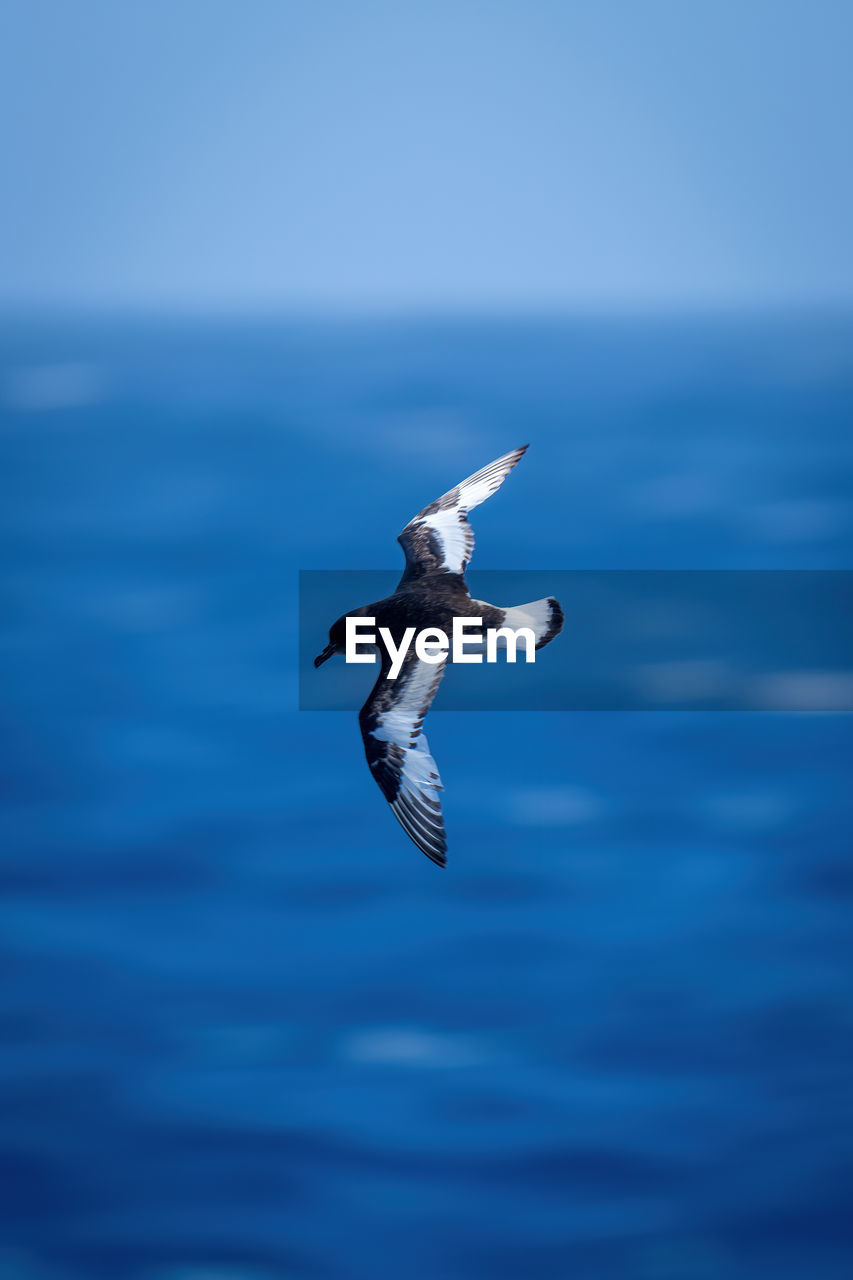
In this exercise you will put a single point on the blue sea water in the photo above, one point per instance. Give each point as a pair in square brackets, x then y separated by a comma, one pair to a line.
[248, 1031]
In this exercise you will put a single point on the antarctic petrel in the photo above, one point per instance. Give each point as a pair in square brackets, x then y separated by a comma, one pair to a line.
[438, 544]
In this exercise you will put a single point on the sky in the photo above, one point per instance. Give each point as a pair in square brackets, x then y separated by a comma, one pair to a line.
[458, 153]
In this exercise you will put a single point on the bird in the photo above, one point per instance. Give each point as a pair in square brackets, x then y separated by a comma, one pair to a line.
[438, 544]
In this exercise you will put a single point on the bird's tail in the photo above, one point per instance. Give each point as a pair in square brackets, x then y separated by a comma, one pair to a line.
[543, 617]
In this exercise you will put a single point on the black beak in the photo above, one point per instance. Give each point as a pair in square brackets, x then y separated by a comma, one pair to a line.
[325, 655]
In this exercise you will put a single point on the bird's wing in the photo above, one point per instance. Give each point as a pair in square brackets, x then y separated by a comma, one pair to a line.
[398, 752]
[439, 539]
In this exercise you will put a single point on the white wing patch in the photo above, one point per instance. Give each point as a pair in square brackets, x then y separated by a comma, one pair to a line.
[399, 756]
[439, 539]
[455, 537]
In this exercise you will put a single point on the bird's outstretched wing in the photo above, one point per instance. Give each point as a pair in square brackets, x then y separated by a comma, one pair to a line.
[398, 752]
[439, 539]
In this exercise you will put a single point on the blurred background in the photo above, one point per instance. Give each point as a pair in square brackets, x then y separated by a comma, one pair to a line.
[273, 276]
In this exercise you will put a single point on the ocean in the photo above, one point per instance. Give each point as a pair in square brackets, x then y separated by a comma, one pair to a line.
[248, 1031]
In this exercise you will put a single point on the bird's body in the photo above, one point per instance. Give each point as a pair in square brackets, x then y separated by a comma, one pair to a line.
[438, 544]
[430, 602]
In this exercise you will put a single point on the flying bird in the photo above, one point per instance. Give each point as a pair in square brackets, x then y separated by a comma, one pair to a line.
[438, 544]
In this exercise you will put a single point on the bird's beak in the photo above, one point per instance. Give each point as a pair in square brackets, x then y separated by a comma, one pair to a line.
[325, 655]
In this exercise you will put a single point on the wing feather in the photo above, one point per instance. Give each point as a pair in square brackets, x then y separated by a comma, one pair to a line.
[439, 539]
[398, 753]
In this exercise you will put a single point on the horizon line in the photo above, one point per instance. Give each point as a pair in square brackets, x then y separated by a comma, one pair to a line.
[422, 310]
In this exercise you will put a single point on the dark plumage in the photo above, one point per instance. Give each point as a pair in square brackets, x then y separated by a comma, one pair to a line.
[438, 544]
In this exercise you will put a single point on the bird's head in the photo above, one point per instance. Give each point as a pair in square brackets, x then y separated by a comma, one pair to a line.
[337, 641]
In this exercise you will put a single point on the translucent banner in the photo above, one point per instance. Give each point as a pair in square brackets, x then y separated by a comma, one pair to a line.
[632, 640]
